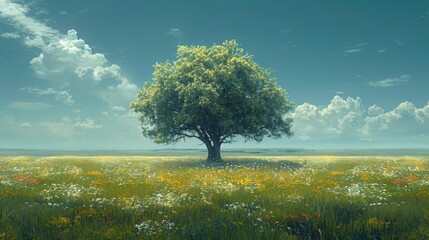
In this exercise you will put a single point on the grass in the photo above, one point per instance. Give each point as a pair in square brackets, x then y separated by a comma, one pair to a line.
[260, 197]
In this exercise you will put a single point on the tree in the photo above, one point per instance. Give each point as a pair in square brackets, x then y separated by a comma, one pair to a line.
[213, 94]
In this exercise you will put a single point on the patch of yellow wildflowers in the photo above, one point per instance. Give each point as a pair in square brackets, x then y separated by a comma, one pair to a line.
[94, 173]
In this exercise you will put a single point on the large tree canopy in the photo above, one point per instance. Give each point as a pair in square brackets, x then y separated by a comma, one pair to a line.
[212, 94]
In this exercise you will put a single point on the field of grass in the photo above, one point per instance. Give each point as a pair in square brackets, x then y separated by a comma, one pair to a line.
[182, 197]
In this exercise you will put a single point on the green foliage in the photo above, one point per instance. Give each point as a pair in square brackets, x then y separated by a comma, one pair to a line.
[212, 94]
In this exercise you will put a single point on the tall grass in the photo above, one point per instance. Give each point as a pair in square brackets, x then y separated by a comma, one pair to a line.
[277, 197]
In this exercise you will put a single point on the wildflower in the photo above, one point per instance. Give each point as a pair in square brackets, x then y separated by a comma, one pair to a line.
[365, 176]
[94, 173]
[377, 224]
[411, 178]
[60, 221]
[26, 179]
[337, 173]
[306, 216]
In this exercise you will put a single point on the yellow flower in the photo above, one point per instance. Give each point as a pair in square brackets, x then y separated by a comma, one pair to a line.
[94, 173]
[365, 176]
[87, 212]
[45, 172]
[60, 221]
[377, 224]
[337, 173]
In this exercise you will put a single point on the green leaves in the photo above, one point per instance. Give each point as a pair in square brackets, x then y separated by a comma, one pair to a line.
[213, 94]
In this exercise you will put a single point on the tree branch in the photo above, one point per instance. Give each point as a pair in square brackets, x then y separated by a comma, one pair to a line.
[223, 140]
[200, 135]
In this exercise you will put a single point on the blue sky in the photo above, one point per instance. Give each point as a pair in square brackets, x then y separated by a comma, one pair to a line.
[358, 71]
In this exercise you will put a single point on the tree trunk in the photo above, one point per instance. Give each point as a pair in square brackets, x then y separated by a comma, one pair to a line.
[213, 152]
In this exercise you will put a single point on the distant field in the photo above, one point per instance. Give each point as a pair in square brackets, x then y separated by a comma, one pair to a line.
[253, 195]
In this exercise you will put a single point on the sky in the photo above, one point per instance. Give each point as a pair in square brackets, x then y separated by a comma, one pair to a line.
[357, 71]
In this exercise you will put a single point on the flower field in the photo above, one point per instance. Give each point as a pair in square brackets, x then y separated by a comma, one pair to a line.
[259, 197]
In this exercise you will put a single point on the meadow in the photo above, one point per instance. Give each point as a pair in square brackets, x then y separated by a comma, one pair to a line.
[279, 196]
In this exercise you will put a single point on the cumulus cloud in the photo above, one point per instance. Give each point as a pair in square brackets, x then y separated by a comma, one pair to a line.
[28, 106]
[67, 54]
[390, 82]
[340, 117]
[349, 119]
[66, 59]
[405, 120]
[69, 60]
[375, 110]
[71, 72]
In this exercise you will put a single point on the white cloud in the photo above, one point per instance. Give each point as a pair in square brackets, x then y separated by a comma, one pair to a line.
[347, 119]
[121, 113]
[28, 106]
[66, 59]
[422, 114]
[284, 31]
[87, 124]
[38, 91]
[69, 60]
[340, 117]
[65, 97]
[375, 110]
[37, 33]
[66, 128]
[390, 82]
[176, 32]
[120, 94]
[118, 109]
[12, 35]
[398, 42]
[404, 120]
[355, 49]
[25, 125]
[382, 51]
[61, 96]
[74, 74]
[362, 44]
[64, 55]
[63, 128]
